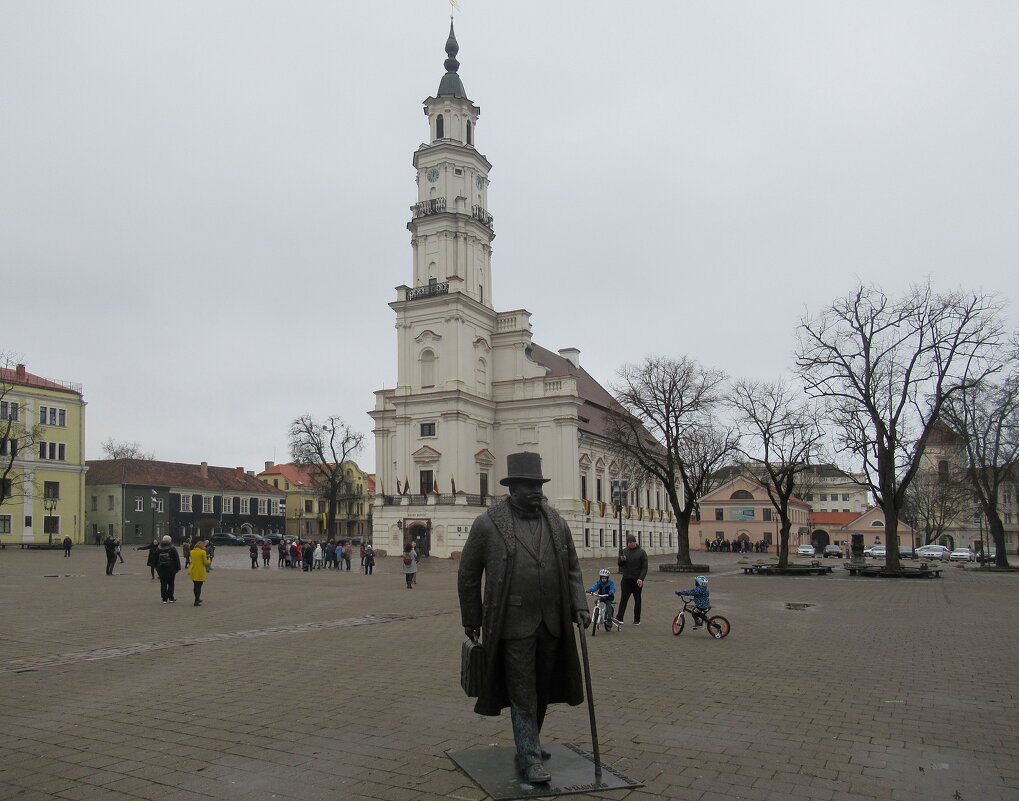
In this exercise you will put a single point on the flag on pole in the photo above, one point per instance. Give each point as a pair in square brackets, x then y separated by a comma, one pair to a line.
[398, 490]
[452, 483]
[435, 486]
[406, 485]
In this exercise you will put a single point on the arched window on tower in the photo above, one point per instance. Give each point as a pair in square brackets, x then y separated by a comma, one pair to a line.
[427, 368]
[440, 132]
[470, 133]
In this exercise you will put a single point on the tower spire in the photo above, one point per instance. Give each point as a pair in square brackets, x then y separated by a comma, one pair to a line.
[451, 85]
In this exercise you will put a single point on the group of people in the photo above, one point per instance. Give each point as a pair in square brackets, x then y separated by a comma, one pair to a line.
[164, 563]
[736, 546]
[315, 555]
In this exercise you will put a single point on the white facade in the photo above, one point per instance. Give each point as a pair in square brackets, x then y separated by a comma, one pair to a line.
[471, 386]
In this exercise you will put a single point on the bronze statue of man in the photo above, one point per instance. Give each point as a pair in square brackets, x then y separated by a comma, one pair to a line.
[534, 593]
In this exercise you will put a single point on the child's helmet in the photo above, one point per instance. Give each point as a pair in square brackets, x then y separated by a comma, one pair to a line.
[701, 580]
[604, 572]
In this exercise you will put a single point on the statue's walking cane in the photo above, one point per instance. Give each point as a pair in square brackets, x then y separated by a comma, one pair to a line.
[590, 705]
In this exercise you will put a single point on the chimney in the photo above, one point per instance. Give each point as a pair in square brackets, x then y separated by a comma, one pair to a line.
[19, 371]
[204, 470]
[251, 473]
[270, 465]
[572, 355]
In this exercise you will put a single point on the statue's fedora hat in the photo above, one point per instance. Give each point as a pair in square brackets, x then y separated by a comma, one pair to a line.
[524, 466]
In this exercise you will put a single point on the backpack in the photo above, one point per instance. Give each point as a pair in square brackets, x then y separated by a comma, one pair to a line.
[163, 559]
[408, 559]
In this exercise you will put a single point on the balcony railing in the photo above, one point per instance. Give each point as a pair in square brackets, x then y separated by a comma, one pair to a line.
[428, 291]
[482, 216]
[434, 206]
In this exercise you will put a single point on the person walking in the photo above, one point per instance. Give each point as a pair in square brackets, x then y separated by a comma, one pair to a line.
[266, 551]
[110, 546]
[120, 556]
[67, 545]
[633, 568]
[369, 559]
[150, 558]
[347, 552]
[283, 553]
[200, 564]
[318, 556]
[253, 553]
[167, 566]
[186, 548]
[410, 565]
[362, 555]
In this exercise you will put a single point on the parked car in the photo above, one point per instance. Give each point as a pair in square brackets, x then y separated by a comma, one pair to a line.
[875, 551]
[961, 555]
[247, 538]
[805, 550]
[833, 551]
[933, 552]
[906, 552]
[224, 538]
[990, 556]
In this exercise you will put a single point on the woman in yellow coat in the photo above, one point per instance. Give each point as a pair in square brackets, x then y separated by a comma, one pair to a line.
[200, 562]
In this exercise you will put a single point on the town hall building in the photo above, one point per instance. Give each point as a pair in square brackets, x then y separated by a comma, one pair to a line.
[471, 384]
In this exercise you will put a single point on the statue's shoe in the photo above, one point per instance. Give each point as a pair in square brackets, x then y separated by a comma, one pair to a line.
[538, 774]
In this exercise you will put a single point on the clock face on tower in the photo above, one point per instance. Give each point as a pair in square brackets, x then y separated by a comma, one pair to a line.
[433, 174]
[479, 181]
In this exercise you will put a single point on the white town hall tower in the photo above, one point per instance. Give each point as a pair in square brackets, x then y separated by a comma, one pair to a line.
[471, 385]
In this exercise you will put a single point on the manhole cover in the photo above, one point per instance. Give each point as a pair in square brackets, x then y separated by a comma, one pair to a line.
[797, 607]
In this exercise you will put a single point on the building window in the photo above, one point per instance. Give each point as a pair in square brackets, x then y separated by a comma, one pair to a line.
[601, 538]
[276, 483]
[245, 506]
[263, 506]
[766, 515]
[426, 481]
[309, 507]
[587, 538]
[440, 128]
[808, 497]
[185, 503]
[9, 410]
[95, 503]
[845, 496]
[9, 447]
[470, 133]
[139, 504]
[428, 429]
[109, 503]
[158, 504]
[719, 514]
[206, 504]
[53, 451]
[483, 484]
[583, 487]
[228, 504]
[822, 498]
[597, 490]
[5, 524]
[50, 525]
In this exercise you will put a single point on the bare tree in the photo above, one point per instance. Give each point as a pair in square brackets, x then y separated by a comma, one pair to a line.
[987, 417]
[117, 449]
[324, 448]
[782, 437]
[885, 368]
[935, 500]
[666, 430]
[18, 433]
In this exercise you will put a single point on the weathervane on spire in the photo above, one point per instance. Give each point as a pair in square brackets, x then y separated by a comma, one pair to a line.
[454, 5]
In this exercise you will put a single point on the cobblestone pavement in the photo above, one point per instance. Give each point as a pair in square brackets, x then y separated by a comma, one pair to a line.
[330, 685]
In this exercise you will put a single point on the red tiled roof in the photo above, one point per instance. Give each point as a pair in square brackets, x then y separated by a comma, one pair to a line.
[149, 472]
[834, 518]
[11, 377]
[598, 401]
[295, 474]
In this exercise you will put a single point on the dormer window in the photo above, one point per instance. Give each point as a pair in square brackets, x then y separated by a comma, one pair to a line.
[440, 131]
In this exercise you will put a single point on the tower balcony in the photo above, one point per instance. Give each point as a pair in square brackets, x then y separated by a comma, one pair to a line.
[483, 217]
[429, 291]
[436, 205]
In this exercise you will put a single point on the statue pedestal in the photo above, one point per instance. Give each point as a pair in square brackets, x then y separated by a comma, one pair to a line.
[494, 770]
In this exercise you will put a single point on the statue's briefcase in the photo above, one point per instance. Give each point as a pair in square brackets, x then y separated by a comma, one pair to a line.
[472, 667]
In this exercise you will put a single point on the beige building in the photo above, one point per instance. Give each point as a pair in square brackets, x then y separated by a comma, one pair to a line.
[42, 465]
[741, 511]
[307, 501]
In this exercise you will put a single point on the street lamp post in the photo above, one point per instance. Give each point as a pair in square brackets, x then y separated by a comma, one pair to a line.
[49, 504]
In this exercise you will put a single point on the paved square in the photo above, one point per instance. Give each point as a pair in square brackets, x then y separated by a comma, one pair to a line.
[287, 685]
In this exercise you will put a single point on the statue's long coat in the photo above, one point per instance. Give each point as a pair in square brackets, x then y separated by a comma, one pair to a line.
[490, 549]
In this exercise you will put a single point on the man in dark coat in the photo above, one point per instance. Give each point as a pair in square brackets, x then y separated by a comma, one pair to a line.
[167, 566]
[534, 592]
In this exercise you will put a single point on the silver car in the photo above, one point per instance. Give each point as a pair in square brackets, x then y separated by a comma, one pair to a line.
[961, 555]
[933, 552]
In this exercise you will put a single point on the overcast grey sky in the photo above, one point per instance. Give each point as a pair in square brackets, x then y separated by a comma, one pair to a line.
[203, 205]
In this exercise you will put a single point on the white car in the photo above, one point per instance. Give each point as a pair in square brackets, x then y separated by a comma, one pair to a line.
[932, 552]
[805, 550]
[875, 551]
[961, 555]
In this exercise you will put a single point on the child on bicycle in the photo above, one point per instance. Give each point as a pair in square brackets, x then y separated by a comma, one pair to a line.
[605, 586]
[700, 600]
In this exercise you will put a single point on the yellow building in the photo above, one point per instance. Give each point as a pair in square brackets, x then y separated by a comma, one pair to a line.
[42, 465]
[307, 501]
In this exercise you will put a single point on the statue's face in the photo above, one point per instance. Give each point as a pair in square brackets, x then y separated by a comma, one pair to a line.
[526, 494]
